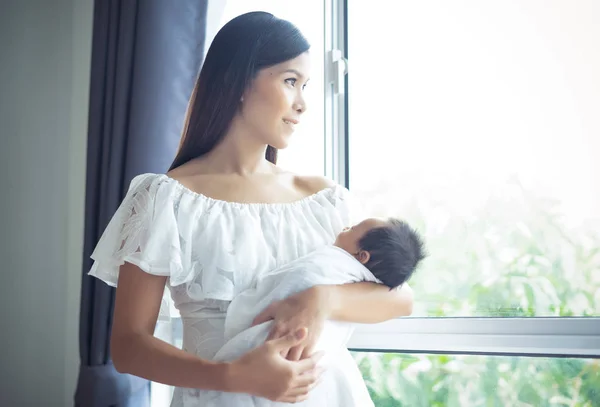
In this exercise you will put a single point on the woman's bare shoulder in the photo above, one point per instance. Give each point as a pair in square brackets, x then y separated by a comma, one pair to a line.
[313, 183]
[183, 171]
[194, 176]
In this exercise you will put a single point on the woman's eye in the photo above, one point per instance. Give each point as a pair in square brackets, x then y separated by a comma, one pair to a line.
[291, 81]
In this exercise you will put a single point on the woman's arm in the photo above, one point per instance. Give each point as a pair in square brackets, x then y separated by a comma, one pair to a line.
[359, 302]
[366, 302]
[356, 302]
[136, 351]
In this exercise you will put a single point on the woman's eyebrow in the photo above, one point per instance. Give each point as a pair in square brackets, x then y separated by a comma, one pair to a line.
[294, 71]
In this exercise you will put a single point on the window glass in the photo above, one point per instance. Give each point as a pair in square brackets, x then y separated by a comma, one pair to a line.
[477, 122]
[422, 380]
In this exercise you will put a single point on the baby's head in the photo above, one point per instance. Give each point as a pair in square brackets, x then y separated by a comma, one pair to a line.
[390, 249]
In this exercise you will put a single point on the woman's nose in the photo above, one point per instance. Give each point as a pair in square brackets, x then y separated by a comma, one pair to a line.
[300, 104]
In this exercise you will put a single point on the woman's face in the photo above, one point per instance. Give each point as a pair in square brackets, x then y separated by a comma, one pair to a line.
[273, 105]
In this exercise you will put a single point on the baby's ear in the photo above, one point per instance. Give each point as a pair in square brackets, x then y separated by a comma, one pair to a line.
[363, 256]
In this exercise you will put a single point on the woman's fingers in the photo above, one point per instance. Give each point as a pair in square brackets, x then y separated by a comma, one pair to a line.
[309, 379]
[305, 383]
[295, 353]
[298, 392]
[277, 331]
[294, 399]
[306, 365]
[265, 316]
[308, 350]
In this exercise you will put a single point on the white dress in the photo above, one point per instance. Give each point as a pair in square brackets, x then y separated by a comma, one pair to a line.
[324, 266]
[212, 250]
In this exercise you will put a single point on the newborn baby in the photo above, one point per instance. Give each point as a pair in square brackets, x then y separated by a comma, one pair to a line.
[381, 251]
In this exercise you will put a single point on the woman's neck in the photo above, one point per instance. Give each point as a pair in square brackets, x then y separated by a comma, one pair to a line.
[239, 154]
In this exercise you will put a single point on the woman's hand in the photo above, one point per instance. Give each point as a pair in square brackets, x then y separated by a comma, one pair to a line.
[309, 308]
[278, 379]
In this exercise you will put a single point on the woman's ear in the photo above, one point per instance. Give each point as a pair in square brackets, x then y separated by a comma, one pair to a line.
[363, 256]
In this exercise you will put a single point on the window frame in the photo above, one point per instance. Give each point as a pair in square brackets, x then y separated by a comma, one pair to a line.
[336, 100]
[510, 336]
[546, 336]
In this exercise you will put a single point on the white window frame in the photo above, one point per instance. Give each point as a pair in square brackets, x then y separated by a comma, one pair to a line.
[536, 336]
[551, 337]
[336, 147]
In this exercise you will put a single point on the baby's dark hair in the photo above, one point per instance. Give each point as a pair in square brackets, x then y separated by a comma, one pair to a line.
[395, 250]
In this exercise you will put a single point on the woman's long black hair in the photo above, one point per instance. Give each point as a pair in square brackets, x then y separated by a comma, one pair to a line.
[245, 45]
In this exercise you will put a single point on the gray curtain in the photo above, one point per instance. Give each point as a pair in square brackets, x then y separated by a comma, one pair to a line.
[145, 58]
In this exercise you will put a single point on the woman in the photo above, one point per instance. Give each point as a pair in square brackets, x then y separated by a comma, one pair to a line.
[223, 215]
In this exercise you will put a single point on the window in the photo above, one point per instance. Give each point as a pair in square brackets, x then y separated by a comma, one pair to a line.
[475, 380]
[477, 122]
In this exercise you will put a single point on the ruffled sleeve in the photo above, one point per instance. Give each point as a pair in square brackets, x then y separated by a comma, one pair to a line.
[211, 250]
[139, 233]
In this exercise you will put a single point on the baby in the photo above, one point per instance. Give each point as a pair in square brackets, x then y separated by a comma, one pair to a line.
[376, 250]
[390, 249]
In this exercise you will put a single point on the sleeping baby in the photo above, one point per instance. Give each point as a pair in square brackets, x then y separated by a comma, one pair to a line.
[382, 251]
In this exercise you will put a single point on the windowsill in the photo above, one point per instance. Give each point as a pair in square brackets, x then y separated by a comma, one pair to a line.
[573, 337]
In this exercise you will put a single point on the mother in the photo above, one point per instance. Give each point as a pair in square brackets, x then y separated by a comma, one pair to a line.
[223, 215]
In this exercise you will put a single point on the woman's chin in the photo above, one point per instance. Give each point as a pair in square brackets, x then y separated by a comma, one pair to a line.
[281, 143]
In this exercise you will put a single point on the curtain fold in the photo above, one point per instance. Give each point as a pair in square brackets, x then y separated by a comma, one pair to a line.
[145, 59]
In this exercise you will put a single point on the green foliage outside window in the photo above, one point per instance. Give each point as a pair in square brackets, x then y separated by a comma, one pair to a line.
[515, 256]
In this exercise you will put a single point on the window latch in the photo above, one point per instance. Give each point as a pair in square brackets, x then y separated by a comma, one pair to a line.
[338, 68]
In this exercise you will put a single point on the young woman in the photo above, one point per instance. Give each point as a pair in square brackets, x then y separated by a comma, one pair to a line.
[223, 215]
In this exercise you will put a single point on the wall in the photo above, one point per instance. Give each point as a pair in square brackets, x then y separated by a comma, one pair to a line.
[44, 73]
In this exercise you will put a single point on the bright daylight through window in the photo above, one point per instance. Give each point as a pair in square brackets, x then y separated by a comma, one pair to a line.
[478, 123]
[484, 135]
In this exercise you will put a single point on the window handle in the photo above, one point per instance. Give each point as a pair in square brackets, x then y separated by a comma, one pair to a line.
[338, 68]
